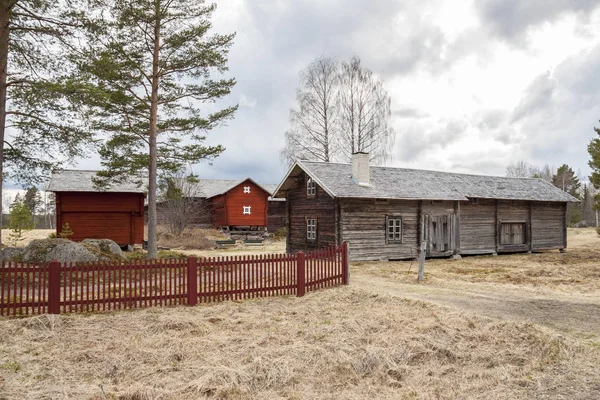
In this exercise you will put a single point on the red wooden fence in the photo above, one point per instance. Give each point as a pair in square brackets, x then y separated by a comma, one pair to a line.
[27, 289]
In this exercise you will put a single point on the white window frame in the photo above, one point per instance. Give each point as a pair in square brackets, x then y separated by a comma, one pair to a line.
[246, 189]
[311, 187]
[311, 229]
[394, 229]
[247, 210]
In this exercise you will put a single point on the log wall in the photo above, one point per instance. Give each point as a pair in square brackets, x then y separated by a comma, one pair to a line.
[363, 226]
[300, 207]
[549, 225]
[478, 226]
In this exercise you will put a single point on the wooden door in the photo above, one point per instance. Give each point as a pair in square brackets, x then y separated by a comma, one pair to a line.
[439, 233]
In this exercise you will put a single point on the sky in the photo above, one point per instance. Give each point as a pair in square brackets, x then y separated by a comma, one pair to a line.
[474, 85]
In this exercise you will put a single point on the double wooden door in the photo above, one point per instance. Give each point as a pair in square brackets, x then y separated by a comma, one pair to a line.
[439, 232]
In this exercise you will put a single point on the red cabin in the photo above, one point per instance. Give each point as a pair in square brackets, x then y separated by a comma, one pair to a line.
[115, 212]
[236, 203]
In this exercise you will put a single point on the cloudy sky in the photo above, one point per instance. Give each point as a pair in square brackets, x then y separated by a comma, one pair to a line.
[475, 85]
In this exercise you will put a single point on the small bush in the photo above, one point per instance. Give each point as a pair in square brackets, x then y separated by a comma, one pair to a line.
[52, 235]
[65, 231]
[598, 230]
[280, 234]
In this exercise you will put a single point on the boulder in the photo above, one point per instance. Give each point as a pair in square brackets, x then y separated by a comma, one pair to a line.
[106, 246]
[64, 250]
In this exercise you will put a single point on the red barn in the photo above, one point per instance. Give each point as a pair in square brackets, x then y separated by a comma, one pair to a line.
[115, 212]
[236, 203]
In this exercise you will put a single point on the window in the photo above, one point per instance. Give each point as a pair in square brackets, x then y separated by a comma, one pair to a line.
[394, 230]
[247, 210]
[513, 233]
[246, 189]
[311, 187]
[311, 229]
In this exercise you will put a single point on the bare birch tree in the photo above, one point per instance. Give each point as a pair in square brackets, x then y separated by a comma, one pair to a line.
[365, 111]
[520, 169]
[181, 204]
[313, 134]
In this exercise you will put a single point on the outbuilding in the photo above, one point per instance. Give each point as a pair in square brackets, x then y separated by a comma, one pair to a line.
[386, 213]
[114, 212]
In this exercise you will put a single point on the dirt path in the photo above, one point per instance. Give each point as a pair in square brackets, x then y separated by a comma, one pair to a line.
[578, 317]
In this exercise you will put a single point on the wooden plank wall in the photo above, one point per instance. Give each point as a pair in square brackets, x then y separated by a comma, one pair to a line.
[364, 228]
[478, 226]
[115, 216]
[548, 225]
[301, 207]
[236, 199]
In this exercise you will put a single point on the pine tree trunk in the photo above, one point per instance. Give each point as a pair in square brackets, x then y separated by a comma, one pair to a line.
[4, 36]
[152, 238]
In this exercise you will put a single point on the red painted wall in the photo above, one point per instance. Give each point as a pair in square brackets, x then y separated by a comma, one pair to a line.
[228, 209]
[115, 216]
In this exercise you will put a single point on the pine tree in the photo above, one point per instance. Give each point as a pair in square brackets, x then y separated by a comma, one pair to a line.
[36, 96]
[21, 219]
[149, 63]
[594, 163]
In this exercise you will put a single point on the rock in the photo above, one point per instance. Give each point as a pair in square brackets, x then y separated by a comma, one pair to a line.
[64, 250]
[106, 246]
[12, 253]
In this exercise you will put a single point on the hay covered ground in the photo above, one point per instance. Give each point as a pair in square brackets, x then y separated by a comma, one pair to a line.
[384, 337]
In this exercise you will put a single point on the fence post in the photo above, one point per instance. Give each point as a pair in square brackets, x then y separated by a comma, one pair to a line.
[192, 281]
[54, 288]
[300, 275]
[422, 253]
[345, 266]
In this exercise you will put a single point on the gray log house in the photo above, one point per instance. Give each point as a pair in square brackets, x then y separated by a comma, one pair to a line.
[385, 213]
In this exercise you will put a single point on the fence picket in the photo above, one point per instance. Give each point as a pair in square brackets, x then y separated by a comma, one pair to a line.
[27, 289]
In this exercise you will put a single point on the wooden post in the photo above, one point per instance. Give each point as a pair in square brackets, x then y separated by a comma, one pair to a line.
[54, 288]
[192, 281]
[345, 264]
[422, 252]
[300, 277]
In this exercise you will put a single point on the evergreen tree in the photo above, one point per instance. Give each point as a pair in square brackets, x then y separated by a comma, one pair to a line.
[33, 199]
[21, 219]
[149, 63]
[594, 163]
[566, 180]
[36, 98]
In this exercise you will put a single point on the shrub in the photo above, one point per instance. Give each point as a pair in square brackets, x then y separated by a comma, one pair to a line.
[598, 230]
[280, 234]
[65, 231]
[52, 235]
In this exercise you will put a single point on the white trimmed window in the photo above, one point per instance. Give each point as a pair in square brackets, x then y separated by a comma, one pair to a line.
[311, 229]
[246, 189]
[394, 230]
[247, 210]
[311, 187]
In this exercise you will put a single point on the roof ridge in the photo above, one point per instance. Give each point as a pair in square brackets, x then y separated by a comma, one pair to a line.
[426, 170]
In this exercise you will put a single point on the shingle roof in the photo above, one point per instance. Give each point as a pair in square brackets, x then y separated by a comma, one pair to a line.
[402, 183]
[213, 187]
[69, 180]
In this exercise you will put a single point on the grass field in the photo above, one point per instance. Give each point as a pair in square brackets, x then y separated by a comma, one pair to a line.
[481, 327]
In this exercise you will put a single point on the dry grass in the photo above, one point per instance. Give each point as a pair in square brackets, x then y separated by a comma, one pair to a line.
[337, 343]
[28, 236]
[577, 271]
[201, 239]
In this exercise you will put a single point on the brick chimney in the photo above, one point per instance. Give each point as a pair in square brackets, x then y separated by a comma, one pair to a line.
[360, 169]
